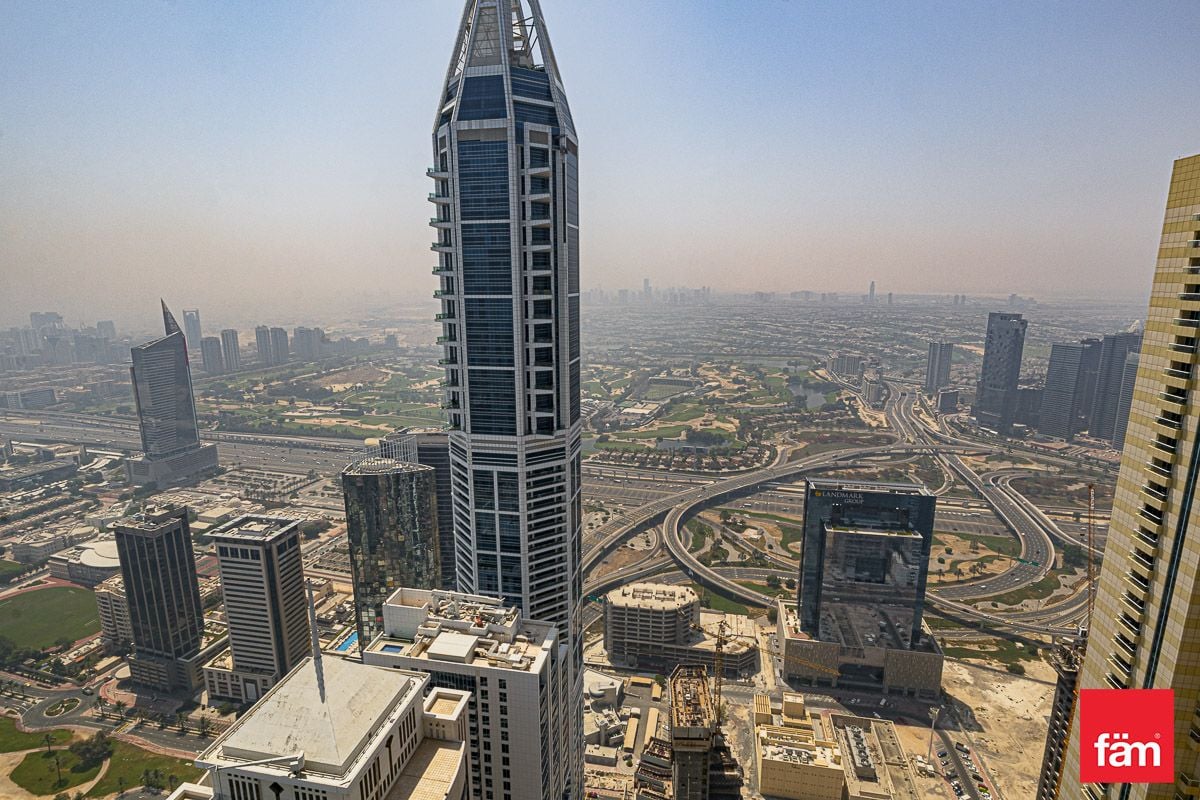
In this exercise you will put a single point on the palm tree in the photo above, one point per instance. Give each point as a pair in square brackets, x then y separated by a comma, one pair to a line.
[119, 707]
[120, 785]
[58, 769]
[48, 740]
[202, 727]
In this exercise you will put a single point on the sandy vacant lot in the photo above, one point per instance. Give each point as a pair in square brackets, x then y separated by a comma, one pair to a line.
[1009, 728]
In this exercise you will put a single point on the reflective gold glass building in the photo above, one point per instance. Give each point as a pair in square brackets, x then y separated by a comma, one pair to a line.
[1146, 626]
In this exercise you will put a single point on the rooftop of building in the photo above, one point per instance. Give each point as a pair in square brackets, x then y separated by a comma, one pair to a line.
[871, 624]
[100, 554]
[30, 470]
[328, 710]
[378, 465]
[834, 485]
[863, 530]
[460, 628]
[430, 771]
[691, 702]
[651, 596]
[153, 519]
[254, 529]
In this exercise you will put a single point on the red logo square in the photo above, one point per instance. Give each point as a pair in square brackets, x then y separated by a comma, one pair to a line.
[1127, 735]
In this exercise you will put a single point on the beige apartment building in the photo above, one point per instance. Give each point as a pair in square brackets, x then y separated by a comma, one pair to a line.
[1146, 625]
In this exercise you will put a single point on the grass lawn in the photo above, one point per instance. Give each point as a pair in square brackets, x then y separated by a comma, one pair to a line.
[741, 512]
[721, 603]
[130, 762]
[9, 570]
[666, 432]
[999, 650]
[39, 619]
[37, 774]
[1004, 545]
[700, 532]
[791, 534]
[14, 741]
[762, 588]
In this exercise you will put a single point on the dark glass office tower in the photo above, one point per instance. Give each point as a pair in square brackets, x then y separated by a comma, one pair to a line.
[506, 189]
[866, 545]
[391, 524]
[937, 366]
[431, 447]
[1113, 351]
[1070, 387]
[165, 614]
[996, 393]
[162, 391]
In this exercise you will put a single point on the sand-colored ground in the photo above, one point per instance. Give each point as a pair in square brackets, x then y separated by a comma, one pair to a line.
[964, 558]
[1011, 712]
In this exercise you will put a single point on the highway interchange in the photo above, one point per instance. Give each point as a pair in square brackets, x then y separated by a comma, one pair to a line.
[639, 499]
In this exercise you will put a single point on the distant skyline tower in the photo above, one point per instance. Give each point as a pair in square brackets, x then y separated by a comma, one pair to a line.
[1070, 383]
[937, 366]
[210, 355]
[996, 393]
[1113, 351]
[162, 392]
[266, 608]
[231, 350]
[1125, 401]
[392, 533]
[280, 353]
[506, 180]
[1145, 630]
[165, 613]
[871, 293]
[191, 328]
[262, 345]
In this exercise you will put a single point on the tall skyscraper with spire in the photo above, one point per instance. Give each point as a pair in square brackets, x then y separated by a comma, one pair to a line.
[1145, 629]
[166, 409]
[506, 188]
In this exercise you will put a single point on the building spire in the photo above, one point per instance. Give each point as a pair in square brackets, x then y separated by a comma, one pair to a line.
[169, 322]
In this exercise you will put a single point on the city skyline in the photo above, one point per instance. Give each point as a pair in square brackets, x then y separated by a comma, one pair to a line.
[280, 184]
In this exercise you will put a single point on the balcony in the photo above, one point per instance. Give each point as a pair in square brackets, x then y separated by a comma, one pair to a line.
[1187, 322]
[440, 199]
[541, 222]
[1152, 516]
[447, 340]
[1193, 243]
[540, 247]
[1166, 447]
[541, 169]
[1189, 296]
[453, 405]
[438, 173]
[1184, 348]
[447, 383]
[441, 247]
[447, 362]
[1178, 373]
[440, 270]
[441, 224]
[1148, 539]
[444, 316]
[443, 293]
[1157, 470]
[1134, 605]
[1169, 424]
[1178, 399]
[1156, 494]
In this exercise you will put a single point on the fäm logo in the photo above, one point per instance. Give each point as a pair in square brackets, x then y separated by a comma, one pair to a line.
[1127, 736]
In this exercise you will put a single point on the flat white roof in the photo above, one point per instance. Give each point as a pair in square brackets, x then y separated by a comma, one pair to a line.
[453, 646]
[331, 733]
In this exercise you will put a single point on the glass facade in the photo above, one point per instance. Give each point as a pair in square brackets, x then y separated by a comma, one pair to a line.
[392, 531]
[507, 183]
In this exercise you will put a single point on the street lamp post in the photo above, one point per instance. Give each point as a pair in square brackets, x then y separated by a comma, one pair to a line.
[933, 715]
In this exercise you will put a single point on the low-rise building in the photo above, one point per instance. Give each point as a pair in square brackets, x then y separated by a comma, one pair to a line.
[795, 758]
[661, 626]
[335, 729]
[516, 670]
[34, 548]
[86, 564]
[24, 477]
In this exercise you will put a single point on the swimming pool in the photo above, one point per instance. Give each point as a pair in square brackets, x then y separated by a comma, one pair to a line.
[351, 640]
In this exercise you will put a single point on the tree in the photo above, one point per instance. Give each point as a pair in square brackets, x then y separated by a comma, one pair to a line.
[92, 752]
[119, 707]
[202, 727]
[48, 739]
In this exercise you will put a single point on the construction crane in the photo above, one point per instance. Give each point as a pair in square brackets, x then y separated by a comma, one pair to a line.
[722, 637]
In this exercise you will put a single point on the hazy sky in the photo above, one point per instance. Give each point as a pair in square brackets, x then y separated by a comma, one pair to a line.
[228, 155]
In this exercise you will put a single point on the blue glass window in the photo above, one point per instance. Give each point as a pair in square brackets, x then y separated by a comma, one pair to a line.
[538, 115]
[512, 574]
[485, 530]
[483, 179]
[483, 98]
[486, 261]
[509, 495]
[489, 333]
[510, 533]
[531, 83]
[493, 402]
[485, 494]
[488, 580]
